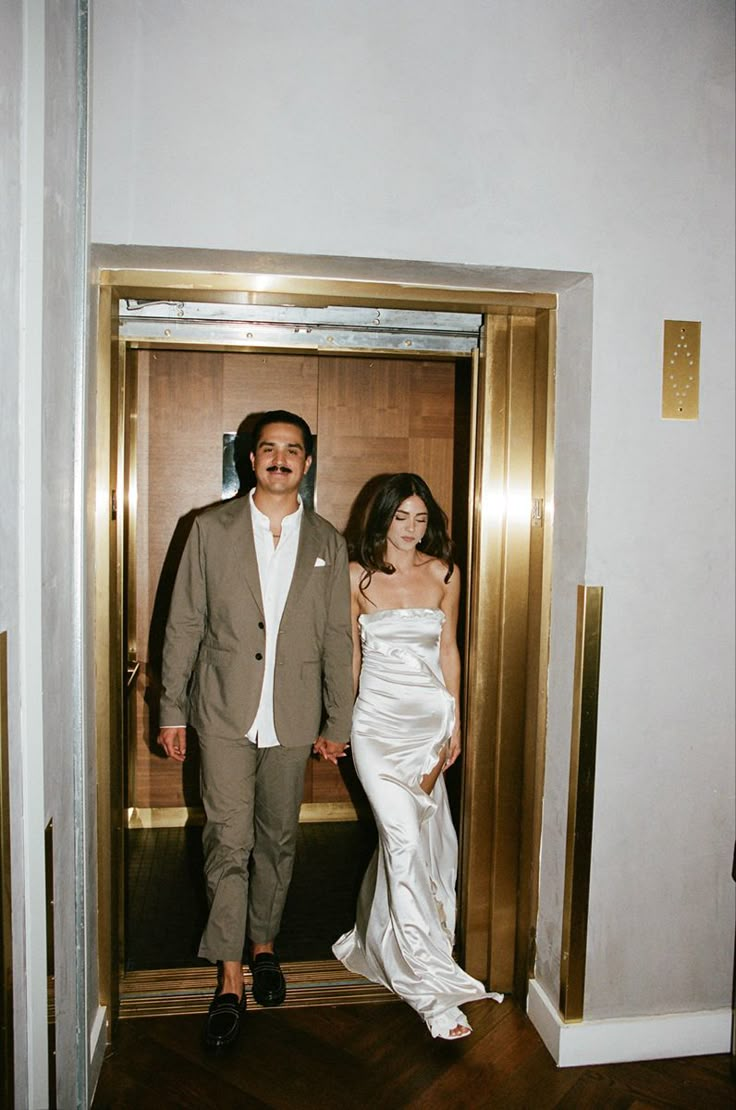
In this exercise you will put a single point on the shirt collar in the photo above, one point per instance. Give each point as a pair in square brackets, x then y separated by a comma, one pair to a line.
[288, 524]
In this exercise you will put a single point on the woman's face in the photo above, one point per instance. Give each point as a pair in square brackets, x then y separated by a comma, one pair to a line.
[408, 525]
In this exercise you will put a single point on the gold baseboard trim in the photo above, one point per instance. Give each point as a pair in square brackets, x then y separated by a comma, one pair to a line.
[580, 802]
[7, 1052]
[163, 817]
[50, 961]
[176, 817]
[173, 991]
[328, 811]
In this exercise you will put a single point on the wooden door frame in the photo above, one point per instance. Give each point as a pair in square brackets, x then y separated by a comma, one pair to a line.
[172, 275]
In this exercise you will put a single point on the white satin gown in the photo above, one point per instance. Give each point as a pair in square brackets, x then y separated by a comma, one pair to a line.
[405, 921]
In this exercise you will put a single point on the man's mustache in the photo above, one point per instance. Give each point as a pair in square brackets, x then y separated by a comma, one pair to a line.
[279, 468]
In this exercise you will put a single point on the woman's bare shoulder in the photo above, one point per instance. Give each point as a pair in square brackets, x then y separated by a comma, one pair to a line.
[356, 574]
[438, 569]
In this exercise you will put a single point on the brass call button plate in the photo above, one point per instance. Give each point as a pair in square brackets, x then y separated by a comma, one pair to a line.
[681, 370]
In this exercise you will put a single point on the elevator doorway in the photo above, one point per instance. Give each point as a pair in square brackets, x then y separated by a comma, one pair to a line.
[370, 415]
[487, 420]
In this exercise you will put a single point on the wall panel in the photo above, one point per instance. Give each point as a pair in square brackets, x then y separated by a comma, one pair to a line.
[370, 416]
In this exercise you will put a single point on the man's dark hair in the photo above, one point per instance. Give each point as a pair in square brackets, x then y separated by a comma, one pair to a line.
[281, 416]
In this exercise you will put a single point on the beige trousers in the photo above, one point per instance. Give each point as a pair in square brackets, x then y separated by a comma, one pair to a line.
[251, 799]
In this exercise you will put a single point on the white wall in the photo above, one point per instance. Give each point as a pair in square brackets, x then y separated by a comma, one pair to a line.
[70, 788]
[42, 246]
[11, 202]
[571, 135]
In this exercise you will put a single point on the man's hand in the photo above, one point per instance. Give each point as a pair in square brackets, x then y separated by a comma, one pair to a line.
[174, 742]
[330, 751]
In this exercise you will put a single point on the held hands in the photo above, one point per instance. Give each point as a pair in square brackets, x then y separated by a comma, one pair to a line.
[329, 750]
[174, 742]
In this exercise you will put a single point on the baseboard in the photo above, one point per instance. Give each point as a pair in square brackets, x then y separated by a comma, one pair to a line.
[618, 1040]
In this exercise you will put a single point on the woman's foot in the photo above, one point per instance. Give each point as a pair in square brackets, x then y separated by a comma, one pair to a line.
[458, 1032]
[452, 1025]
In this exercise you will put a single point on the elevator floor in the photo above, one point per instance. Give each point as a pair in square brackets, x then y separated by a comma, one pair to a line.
[166, 905]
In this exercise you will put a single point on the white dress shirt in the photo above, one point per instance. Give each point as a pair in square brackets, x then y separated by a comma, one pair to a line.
[275, 570]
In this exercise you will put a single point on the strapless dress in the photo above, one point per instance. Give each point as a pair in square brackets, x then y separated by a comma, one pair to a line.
[405, 921]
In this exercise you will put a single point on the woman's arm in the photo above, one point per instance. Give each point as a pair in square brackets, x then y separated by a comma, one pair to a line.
[450, 658]
[337, 695]
[356, 573]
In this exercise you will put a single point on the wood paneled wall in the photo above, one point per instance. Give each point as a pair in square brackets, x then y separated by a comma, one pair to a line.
[380, 416]
[370, 416]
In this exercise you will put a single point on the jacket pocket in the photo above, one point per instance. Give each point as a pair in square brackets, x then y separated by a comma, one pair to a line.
[310, 670]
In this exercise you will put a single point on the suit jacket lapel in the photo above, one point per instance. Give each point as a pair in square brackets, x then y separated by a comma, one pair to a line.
[249, 558]
[307, 552]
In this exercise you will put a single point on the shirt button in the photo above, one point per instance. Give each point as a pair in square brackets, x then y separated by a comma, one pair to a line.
[259, 656]
[261, 624]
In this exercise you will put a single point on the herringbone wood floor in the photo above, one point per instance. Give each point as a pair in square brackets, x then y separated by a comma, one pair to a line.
[381, 1057]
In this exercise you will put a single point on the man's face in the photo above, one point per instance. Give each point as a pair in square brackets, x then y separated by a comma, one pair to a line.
[279, 460]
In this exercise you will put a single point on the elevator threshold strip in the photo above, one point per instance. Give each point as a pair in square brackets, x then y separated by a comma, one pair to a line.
[172, 991]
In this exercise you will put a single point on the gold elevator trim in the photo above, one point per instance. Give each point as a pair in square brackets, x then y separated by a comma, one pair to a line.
[177, 817]
[50, 961]
[6, 937]
[580, 802]
[513, 433]
[507, 639]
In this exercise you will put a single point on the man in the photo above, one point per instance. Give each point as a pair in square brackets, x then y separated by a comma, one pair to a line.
[258, 652]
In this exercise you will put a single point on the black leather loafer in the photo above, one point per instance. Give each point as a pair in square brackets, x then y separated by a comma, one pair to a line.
[223, 1021]
[269, 985]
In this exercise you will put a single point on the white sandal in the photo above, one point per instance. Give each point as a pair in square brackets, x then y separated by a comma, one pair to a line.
[444, 1023]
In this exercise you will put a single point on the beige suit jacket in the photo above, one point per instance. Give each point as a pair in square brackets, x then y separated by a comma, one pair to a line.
[215, 643]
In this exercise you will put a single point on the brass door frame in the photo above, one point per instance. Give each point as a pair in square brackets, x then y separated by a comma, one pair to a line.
[507, 624]
[491, 819]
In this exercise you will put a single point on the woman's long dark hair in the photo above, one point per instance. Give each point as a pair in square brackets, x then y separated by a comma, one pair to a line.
[371, 548]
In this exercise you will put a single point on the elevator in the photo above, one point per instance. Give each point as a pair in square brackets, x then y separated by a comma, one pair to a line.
[456, 387]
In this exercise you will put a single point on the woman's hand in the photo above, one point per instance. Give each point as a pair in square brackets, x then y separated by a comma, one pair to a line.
[453, 749]
[329, 750]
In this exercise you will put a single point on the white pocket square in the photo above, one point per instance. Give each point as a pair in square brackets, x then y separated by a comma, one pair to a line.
[318, 562]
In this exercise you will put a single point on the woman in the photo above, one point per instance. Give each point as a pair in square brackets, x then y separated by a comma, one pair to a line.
[406, 731]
